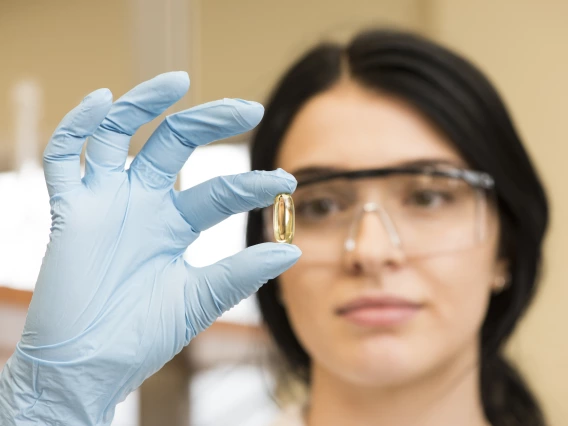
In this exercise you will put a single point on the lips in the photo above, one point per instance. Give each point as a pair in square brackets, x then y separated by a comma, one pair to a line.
[385, 311]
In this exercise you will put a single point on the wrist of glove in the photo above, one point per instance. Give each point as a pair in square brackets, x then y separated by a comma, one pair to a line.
[38, 392]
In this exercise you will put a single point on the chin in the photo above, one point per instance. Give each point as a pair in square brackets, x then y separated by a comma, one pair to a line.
[383, 365]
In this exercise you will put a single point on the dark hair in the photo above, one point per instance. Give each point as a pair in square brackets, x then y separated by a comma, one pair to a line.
[457, 98]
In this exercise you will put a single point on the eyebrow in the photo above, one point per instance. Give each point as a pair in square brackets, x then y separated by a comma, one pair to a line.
[316, 171]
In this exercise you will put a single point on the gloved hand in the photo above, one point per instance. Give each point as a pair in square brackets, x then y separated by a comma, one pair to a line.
[115, 299]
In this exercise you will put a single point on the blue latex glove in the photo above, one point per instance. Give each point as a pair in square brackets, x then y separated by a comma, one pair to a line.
[115, 299]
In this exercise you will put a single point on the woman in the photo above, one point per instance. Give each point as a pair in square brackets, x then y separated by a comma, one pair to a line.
[421, 221]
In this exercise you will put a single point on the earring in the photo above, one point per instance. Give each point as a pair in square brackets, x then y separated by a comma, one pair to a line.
[501, 283]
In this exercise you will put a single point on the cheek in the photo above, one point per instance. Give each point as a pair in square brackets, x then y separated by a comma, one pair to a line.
[460, 290]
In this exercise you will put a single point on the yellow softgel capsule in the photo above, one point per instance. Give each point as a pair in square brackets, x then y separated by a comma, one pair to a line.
[283, 218]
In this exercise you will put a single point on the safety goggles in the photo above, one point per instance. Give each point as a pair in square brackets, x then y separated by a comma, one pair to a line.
[420, 210]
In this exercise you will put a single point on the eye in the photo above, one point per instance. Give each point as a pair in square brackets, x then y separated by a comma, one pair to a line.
[428, 198]
[317, 208]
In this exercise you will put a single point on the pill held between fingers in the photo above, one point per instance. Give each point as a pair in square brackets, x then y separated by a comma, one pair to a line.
[283, 218]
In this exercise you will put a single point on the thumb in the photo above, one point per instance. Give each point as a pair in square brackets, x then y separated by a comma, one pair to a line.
[214, 289]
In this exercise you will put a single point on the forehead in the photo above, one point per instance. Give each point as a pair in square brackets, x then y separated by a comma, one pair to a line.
[351, 127]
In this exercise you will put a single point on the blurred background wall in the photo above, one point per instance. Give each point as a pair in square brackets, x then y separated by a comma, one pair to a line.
[238, 48]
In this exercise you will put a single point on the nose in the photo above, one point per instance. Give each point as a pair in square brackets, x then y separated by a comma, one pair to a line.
[373, 242]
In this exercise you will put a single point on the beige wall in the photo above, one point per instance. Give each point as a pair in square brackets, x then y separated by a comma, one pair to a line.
[239, 47]
[71, 48]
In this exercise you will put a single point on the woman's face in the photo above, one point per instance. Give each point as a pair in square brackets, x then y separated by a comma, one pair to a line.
[443, 298]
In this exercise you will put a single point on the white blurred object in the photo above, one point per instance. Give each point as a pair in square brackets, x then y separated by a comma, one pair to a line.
[233, 395]
[228, 237]
[24, 218]
[127, 413]
[24, 226]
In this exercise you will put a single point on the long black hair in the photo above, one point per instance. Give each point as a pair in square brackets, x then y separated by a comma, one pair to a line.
[463, 104]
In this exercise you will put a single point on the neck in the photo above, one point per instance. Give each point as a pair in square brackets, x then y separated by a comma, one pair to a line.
[447, 397]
